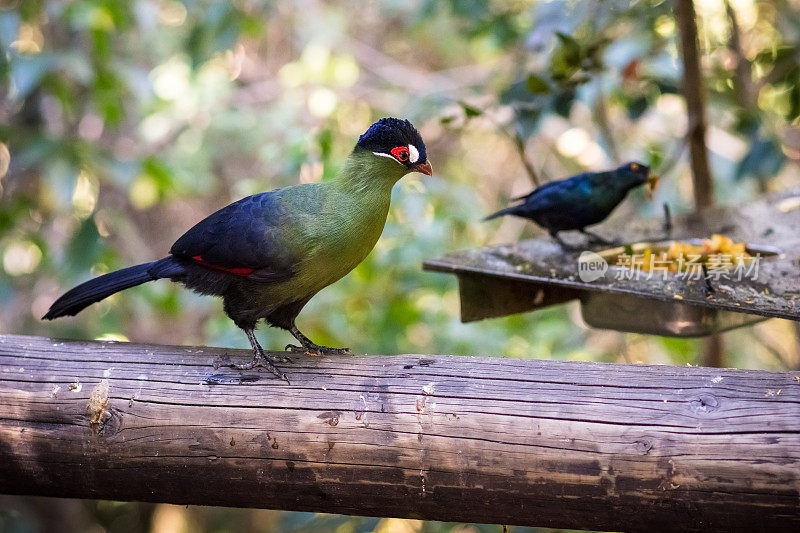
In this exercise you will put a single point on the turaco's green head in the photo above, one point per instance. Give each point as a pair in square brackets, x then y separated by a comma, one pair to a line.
[396, 147]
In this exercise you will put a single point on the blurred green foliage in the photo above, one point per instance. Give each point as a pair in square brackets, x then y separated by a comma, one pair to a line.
[126, 122]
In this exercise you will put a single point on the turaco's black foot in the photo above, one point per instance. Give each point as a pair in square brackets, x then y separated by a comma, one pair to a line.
[261, 360]
[316, 349]
[311, 348]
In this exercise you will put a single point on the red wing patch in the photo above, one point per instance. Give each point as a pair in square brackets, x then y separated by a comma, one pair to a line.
[236, 271]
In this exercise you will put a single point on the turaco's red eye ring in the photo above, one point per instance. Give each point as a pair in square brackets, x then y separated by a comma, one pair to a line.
[400, 153]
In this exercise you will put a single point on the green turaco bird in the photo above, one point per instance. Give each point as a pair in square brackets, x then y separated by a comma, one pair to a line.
[268, 254]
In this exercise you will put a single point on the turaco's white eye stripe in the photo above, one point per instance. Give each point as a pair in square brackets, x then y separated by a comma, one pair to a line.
[413, 153]
[387, 155]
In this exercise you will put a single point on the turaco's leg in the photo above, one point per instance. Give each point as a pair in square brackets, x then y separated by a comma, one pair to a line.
[260, 358]
[307, 346]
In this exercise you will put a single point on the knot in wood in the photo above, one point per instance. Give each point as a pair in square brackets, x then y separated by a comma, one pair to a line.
[331, 417]
[704, 403]
[644, 445]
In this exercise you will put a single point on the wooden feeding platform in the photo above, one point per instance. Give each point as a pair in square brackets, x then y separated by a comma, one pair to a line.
[529, 275]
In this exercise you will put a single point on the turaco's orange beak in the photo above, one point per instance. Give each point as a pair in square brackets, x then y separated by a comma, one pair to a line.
[425, 168]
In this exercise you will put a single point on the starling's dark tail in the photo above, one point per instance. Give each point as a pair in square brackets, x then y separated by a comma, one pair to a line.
[94, 290]
[506, 211]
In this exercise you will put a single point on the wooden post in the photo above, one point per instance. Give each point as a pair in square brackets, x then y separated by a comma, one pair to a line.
[497, 440]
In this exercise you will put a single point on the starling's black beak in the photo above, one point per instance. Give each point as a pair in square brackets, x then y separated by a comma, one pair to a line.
[425, 168]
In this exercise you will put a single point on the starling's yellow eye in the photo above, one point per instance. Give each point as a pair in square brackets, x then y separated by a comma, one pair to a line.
[401, 153]
[634, 166]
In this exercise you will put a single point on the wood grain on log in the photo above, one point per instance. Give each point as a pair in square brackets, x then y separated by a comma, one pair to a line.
[513, 441]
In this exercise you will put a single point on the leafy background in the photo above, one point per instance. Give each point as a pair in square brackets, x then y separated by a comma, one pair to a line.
[123, 123]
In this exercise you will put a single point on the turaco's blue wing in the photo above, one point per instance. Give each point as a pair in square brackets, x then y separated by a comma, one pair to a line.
[245, 238]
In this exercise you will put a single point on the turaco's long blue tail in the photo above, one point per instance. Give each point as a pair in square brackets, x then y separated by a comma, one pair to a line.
[94, 290]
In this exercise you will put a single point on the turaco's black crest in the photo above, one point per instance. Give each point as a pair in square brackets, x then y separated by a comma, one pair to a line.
[389, 135]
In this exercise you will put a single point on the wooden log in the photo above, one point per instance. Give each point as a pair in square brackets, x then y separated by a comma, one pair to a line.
[493, 440]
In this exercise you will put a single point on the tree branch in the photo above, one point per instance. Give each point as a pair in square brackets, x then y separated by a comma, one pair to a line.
[744, 78]
[695, 104]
